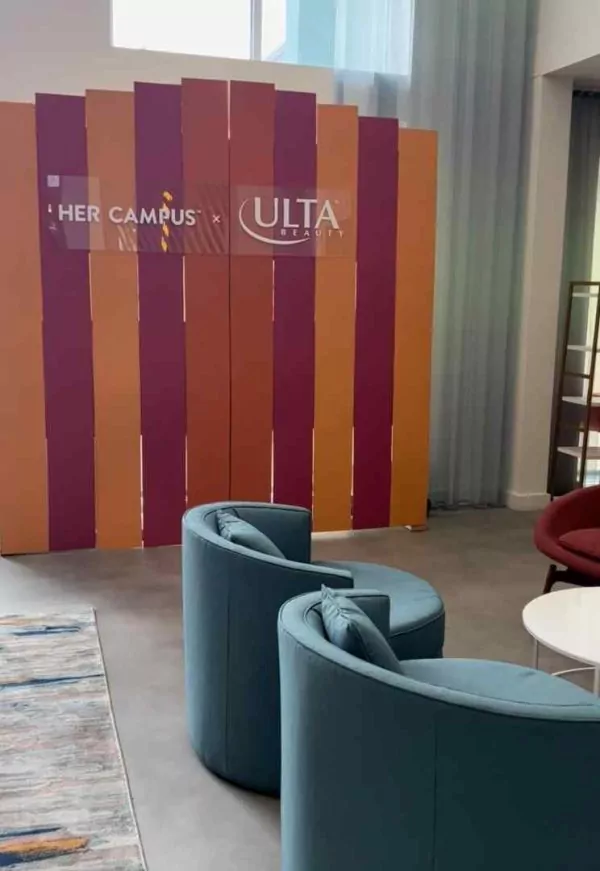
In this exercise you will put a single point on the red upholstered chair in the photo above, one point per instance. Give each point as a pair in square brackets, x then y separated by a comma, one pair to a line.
[577, 511]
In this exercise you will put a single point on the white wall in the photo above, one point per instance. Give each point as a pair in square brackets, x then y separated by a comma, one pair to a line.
[64, 47]
[542, 279]
[567, 50]
[568, 32]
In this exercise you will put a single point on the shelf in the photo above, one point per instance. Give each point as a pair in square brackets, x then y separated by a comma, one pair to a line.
[581, 400]
[575, 451]
[577, 418]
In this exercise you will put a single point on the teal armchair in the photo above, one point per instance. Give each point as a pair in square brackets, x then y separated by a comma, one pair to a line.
[231, 599]
[453, 765]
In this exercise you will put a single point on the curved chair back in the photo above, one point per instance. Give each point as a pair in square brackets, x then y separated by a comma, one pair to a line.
[382, 771]
[577, 510]
[231, 598]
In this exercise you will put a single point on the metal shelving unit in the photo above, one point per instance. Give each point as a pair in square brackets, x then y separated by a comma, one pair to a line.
[576, 435]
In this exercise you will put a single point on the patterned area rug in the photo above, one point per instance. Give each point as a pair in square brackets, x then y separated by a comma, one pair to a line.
[64, 797]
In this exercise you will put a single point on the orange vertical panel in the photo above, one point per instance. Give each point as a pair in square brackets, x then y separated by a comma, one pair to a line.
[23, 471]
[415, 269]
[337, 162]
[252, 135]
[113, 279]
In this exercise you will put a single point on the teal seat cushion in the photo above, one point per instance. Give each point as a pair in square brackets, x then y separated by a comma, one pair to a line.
[416, 611]
[348, 627]
[238, 531]
[500, 681]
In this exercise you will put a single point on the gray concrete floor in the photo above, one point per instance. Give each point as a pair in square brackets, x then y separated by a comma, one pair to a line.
[482, 562]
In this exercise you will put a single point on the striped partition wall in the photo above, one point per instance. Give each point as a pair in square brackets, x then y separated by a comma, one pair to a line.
[208, 291]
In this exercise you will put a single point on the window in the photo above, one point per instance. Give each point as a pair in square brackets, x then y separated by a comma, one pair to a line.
[365, 35]
[273, 29]
[219, 28]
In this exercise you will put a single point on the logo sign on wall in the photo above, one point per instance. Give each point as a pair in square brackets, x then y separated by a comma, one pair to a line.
[210, 291]
[242, 220]
[312, 223]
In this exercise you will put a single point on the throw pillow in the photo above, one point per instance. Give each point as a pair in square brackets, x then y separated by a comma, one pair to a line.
[348, 627]
[238, 531]
[583, 541]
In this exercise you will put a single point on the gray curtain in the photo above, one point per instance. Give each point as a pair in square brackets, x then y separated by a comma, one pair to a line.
[375, 94]
[469, 81]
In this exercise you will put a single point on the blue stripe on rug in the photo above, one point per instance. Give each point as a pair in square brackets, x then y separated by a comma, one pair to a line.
[42, 630]
[43, 681]
[20, 833]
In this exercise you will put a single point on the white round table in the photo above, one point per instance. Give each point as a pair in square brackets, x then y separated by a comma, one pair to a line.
[568, 622]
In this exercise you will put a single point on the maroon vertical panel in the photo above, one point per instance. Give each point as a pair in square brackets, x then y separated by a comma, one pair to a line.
[162, 337]
[375, 308]
[61, 144]
[294, 299]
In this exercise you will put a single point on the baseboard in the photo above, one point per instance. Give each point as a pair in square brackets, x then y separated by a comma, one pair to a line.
[526, 501]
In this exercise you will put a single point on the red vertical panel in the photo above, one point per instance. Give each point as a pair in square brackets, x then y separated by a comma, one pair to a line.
[62, 172]
[375, 310]
[205, 123]
[294, 301]
[252, 113]
[159, 180]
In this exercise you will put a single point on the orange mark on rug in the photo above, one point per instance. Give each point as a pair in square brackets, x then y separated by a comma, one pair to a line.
[33, 849]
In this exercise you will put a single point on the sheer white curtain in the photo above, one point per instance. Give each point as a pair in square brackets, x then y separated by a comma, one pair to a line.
[468, 80]
[375, 35]
[365, 35]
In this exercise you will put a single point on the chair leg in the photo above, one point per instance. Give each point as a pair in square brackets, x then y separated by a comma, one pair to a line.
[550, 578]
